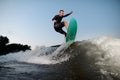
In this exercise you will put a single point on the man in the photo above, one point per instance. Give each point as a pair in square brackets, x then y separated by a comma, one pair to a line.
[58, 25]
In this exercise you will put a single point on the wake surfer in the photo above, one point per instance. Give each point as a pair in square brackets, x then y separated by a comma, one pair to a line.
[58, 25]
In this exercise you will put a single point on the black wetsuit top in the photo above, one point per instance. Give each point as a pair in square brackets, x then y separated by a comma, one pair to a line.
[58, 24]
[59, 18]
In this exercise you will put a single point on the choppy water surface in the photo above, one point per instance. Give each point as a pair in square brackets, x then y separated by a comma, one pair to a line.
[94, 59]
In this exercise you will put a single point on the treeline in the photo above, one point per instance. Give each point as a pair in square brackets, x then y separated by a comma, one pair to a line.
[6, 48]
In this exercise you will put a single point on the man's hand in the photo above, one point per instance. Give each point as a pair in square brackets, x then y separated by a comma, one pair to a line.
[71, 12]
[54, 21]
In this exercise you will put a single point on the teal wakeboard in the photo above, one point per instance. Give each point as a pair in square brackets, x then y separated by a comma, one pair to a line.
[72, 30]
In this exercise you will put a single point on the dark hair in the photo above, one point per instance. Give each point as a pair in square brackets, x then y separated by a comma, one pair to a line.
[61, 10]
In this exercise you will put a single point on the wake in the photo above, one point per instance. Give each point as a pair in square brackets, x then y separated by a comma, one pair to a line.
[109, 53]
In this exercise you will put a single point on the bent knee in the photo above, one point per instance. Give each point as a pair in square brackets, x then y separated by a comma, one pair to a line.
[65, 22]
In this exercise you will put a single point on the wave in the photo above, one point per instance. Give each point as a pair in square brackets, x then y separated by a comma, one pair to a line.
[96, 56]
[100, 49]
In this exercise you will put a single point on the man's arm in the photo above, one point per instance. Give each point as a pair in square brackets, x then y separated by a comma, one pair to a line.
[54, 19]
[68, 14]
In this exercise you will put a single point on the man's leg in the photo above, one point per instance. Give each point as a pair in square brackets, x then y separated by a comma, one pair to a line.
[65, 34]
[62, 32]
[66, 24]
[60, 26]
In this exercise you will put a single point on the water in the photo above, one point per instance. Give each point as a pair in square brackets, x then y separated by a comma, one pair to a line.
[94, 59]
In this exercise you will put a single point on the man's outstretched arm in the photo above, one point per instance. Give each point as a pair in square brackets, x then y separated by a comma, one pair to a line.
[68, 14]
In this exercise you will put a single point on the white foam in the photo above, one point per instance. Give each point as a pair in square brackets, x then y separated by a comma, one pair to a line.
[40, 55]
[111, 46]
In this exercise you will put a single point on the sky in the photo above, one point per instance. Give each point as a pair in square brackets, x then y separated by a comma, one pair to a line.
[29, 21]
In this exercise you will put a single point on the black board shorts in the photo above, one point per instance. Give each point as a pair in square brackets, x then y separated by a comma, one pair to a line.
[58, 27]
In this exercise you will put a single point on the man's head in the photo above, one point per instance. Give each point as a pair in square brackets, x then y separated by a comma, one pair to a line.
[61, 12]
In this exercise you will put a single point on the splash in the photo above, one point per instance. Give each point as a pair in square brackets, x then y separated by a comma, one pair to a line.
[111, 47]
[108, 55]
[40, 55]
